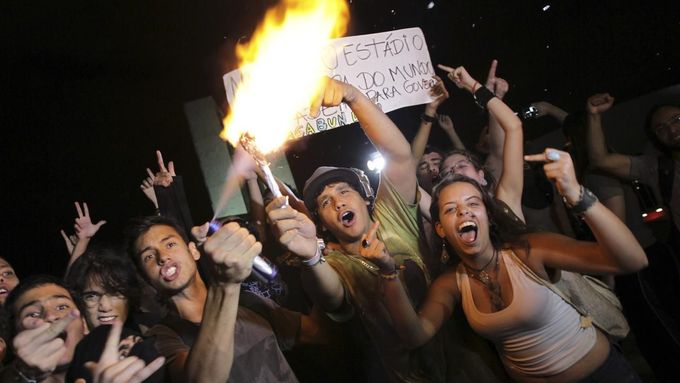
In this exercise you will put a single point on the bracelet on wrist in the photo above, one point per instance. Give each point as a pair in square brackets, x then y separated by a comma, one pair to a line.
[482, 96]
[318, 256]
[427, 118]
[586, 200]
[26, 377]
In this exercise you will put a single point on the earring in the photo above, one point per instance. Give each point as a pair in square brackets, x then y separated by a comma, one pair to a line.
[483, 183]
[444, 256]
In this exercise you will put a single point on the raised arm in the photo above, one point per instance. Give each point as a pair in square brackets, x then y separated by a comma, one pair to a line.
[400, 166]
[85, 230]
[446, 123]
[297, 233]
[231, 251]
[428, 118]
[511, 181]
[615, 251]
[415, 329]
[545, 108]
[615, 164]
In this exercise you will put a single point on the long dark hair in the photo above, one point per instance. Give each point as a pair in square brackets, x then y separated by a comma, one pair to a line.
[503, 230]
[109, 268]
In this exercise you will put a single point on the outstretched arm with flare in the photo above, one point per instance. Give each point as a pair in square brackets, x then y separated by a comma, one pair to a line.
[400, 166]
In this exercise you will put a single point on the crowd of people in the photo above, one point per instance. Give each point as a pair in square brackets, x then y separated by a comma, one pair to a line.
[448, 271]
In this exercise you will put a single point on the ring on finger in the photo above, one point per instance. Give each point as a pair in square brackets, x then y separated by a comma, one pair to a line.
[365, 244]
[552, 155]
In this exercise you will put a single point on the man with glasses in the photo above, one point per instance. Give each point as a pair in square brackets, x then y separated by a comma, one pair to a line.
[649, 297]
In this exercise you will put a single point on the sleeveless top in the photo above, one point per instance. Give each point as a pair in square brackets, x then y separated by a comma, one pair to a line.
[537, 334]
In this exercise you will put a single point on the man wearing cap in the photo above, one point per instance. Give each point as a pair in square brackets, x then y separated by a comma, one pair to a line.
[358, 221]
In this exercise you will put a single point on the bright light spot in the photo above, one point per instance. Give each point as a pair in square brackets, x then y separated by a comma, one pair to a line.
[659, 210]
[546, 7]
[644, 215]
[473, 25]
[430, 5]
[281, 69]
[376, 163]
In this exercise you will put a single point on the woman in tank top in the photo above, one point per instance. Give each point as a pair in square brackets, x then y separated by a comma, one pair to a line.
[539, 337]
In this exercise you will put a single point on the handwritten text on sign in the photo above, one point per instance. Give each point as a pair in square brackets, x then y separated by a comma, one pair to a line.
[391, 68]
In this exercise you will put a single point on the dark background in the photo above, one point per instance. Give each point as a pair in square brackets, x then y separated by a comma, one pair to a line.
[93, 88]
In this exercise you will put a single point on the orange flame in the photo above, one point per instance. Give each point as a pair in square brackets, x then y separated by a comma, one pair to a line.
[282, 69]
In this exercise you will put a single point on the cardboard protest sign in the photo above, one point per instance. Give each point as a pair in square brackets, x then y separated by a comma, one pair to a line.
[391, 68]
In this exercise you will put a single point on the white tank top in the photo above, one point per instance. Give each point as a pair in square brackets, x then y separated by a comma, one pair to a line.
[537, 334]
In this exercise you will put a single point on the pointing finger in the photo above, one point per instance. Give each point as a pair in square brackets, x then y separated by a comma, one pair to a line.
[110, 353]
[161, 164]
[445, 68]
[492, 70]
[370, 235]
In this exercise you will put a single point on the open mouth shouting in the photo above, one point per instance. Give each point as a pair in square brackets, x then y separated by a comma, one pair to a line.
[107, 319]
[347, 218]
[3, 291]
[170, 272]
[467, 231]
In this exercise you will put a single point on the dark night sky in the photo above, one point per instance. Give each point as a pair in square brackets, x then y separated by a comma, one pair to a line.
[93, 88]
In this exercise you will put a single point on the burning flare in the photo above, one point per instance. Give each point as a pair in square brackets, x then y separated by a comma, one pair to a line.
[282, 70]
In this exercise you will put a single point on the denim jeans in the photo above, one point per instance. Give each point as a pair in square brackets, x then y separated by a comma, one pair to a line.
[615, 369]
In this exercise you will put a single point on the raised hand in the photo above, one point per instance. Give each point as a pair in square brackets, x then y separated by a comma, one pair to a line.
[439, 91]
[296, 231]
[495, 84]
[164, 176]
[147, 187]
[373, 249]
[85, 229]
[332, 93]
[232, 250]
[70, 241]
[243, 164]
[111, 368]
[446, 123]
[559, 168]
[39, 347]
[599, 103]
[460, 77]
